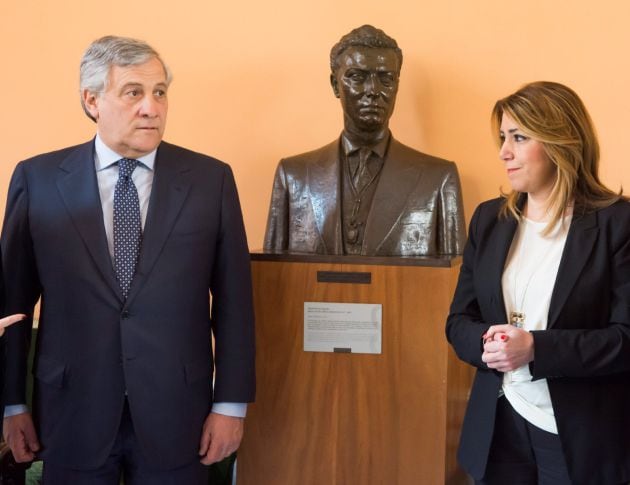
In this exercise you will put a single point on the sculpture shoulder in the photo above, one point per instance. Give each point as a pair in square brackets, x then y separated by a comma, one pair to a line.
[298, 163]
[410, 155]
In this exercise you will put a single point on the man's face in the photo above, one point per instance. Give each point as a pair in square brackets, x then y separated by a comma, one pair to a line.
[366, 82]
[131, 113]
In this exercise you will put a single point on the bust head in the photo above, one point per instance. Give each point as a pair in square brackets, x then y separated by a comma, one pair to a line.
[365, 66]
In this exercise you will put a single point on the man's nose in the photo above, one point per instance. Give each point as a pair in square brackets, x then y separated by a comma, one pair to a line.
[148, 106]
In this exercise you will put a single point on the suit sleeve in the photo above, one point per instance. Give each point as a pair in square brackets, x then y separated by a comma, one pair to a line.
[464, 325]
[277, 232]
[452, 231]
[22, 286]
[232, 304]
[594, 349]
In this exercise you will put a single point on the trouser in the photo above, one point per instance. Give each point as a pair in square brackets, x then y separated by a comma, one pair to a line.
[126, 460]
[523, 454]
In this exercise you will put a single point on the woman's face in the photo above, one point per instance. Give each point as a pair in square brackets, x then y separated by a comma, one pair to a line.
[528, 167]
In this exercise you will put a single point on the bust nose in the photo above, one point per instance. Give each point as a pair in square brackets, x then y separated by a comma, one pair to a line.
[372, 86]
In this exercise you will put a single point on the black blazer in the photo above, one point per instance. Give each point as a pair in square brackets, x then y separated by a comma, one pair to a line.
[584, 354]
[92, 346]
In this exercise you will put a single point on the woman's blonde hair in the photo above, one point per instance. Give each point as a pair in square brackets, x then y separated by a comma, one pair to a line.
[554, 115]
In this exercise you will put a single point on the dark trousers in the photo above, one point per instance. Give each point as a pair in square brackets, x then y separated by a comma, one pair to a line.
[125, 460]
[522, 454]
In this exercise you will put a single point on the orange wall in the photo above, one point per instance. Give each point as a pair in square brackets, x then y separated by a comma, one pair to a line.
[251, 78]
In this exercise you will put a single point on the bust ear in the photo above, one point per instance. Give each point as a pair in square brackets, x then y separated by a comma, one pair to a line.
[334, 83]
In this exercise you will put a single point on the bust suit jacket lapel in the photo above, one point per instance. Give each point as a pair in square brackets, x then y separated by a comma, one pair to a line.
[389, 206]
[323, 176]
[78, 188]
[578, 248]
[171, 183]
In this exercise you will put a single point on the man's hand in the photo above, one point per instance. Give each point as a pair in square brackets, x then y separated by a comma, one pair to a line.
[506, 348]
[19, 433]
[10, 320]
[220, 437]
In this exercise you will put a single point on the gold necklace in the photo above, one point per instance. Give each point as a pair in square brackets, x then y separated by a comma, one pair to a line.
[517, 317]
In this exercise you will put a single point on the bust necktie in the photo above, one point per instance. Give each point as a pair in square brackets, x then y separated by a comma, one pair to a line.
[362, 176]
[127, 225]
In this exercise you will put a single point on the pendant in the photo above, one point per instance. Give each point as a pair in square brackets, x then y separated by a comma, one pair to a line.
[517, 319]
[352, 235]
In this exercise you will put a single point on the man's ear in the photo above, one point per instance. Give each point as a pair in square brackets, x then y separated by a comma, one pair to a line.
[90, 103]
[334, 84]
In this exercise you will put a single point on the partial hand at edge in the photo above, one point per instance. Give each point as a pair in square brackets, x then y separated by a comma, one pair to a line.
[221, 436]
[10, 320]
[19, 433]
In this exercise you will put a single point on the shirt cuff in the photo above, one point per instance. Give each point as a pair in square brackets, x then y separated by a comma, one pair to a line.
[234, 409]
[14, 409]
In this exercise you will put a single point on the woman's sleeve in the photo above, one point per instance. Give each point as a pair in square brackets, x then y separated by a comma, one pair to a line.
[593, 349]
[464, 325]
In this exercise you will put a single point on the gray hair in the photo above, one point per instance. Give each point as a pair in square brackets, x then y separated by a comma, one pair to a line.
[110, 51]
[364, 36]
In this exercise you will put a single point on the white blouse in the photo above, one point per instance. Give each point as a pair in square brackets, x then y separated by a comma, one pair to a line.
[528, 280]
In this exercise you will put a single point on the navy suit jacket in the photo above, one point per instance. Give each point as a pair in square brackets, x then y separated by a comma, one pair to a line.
[93, 347]
[584, 354]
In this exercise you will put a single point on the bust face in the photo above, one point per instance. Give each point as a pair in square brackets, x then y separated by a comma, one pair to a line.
[366, 82]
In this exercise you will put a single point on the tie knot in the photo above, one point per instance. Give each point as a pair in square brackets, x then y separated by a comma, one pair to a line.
[126, 166]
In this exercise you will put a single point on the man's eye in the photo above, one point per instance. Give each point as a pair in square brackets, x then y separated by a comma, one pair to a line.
[357, 77]
[160, 93]
[133, 93]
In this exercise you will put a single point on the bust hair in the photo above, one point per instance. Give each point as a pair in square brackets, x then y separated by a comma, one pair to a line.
[554, 115]
[364, 36]
[110, 51]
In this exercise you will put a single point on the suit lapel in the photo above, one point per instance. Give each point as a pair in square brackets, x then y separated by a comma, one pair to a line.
[78, 188]
[171, 183]
[497, 252]
[577, 250]
[323, 180]
[387, 205]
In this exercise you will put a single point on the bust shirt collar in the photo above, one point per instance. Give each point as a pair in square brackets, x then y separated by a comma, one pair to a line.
[105, 157]
[350, 147]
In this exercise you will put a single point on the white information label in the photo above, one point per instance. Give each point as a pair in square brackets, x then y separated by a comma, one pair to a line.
[343, 327]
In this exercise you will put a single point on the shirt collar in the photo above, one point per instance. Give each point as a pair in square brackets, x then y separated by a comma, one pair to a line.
[105, 157]
[350, 147]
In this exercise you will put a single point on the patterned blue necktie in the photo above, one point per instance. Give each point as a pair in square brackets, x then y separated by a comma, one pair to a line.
[127, 225]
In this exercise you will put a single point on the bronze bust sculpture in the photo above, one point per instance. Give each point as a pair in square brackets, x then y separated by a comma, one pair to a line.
[366, 193]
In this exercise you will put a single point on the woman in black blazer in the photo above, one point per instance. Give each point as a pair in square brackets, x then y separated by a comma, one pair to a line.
[542, 306]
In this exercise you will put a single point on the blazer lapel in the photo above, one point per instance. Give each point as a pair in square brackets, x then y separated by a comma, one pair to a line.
[577, 250]
[171, 183]
[498, 253]
[387, 205]
[324, 189]
[78, 188]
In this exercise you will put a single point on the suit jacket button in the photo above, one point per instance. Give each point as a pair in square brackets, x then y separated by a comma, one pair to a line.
[124, 314]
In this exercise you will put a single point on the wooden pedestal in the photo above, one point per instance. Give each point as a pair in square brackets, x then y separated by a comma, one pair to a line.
[346, 419]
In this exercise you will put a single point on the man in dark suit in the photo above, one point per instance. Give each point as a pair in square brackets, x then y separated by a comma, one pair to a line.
[124, 237]
[366, 193]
